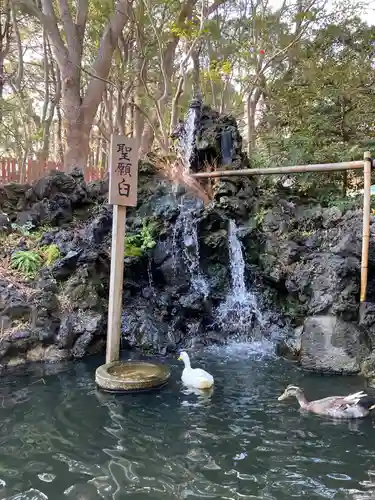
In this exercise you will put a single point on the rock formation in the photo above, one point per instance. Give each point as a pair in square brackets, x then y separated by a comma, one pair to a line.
[303, 261]
[215, 139]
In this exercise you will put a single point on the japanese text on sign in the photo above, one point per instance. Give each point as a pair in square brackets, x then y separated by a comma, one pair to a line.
[123, 171]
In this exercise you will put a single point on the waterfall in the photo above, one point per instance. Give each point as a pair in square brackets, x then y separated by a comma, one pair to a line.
[239, 312]
[185, 235]
[150, 278]
[237, 264]
[187, 139]
[191, 253]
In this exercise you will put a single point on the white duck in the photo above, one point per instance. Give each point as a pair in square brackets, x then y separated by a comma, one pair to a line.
[195, 377]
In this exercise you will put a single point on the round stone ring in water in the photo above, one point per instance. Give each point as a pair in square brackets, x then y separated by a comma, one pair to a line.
[131, 376]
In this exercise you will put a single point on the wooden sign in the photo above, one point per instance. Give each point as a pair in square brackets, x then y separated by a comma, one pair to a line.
[123, 171]
[123, 186]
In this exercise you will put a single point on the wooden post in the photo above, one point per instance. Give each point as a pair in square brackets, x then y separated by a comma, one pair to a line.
[366, 223]
[123, 184]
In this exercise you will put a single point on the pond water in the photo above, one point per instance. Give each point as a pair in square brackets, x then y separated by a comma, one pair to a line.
[62, 439]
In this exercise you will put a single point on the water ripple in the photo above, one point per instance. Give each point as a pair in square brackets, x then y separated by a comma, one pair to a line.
[66, 440]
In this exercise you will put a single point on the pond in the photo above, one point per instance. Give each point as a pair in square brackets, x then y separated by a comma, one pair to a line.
[62, 439]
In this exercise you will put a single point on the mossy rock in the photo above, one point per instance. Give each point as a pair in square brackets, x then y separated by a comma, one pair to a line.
[80, 294]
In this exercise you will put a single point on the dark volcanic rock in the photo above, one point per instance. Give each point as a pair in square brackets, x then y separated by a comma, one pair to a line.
[59, 183]
[331, 345]
[302, 263]
[312, 257]
[50, 200]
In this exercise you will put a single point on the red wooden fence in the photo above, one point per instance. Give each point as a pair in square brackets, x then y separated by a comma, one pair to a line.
[11, 171]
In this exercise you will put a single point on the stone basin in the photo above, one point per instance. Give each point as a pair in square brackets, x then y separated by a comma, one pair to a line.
[131, 376]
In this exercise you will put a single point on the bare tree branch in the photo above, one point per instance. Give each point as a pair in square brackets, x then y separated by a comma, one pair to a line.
[19, 77]
[103, 61]
[48, 18]
[81, 19]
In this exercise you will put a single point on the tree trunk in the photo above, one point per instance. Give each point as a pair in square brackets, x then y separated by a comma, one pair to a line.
[142, 74]
[103, 157]
[59, 137]
[196, 72]
[5, 34]
[131, 125]
[251, 108]
[147, 140]
[139, 119]
[67, 42]
[76, 132]
[77, 136]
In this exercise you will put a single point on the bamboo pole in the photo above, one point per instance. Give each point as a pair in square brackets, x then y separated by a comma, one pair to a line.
[296, 169]
[366, 223]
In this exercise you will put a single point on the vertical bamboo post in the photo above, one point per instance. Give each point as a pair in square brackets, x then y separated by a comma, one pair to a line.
[366, 223]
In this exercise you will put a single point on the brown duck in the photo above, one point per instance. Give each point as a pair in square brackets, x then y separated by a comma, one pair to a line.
[357, 405]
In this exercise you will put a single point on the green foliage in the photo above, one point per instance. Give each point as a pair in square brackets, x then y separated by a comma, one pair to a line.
[28, 262]
[38, 234]
[138, 244]
[316, 86]
[131, 249]
[323, 109]
[259, 216]
[50, 253]
[27, 230]
[24, 229]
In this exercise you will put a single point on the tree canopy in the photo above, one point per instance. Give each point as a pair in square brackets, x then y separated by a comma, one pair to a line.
[299, 76]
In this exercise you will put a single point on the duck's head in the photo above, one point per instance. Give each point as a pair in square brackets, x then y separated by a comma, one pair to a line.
[183, 356]
[290, 391]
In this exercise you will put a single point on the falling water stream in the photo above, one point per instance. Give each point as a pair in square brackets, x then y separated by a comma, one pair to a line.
[187, 139]
[186, 238]
[185, 235]
[240, 310]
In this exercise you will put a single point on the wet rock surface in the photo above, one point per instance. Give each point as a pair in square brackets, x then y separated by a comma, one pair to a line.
[216, 138]
[302, 261]
[312, 256]
[331, 345]
[304, 265]
[61, 313]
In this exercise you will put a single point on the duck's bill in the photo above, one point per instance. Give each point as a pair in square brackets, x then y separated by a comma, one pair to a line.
[283, 396]
[179, 358]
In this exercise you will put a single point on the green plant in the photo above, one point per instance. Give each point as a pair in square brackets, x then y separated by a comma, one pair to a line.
[28, 262]
[137, 244]
[132, 250]
[259, 216]
[39, 233]
[28, 230]
[50, 254]
[306, 234]
[148, 235]
[24, 229]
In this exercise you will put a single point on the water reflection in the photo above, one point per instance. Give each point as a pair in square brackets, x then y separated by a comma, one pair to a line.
[203, 395]
[64, 439]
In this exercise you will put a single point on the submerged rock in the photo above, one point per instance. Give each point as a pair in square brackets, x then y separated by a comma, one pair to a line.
[331, 345]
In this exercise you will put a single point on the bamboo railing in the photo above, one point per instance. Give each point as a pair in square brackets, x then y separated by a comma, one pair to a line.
[366, 164]
[296, 169]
